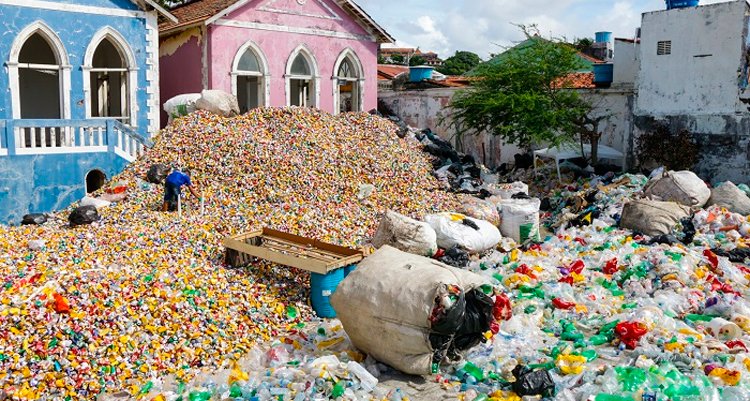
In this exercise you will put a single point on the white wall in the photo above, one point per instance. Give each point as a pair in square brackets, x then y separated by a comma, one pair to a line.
[627, 63]
[700, 76]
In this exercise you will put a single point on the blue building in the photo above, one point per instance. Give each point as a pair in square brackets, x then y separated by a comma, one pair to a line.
[79, 96]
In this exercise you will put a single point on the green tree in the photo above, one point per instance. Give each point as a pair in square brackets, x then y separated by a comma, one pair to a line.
[459, 63]
[397, 59]
[523, 97]
[583, 44]
[382, 60]
[417, 60]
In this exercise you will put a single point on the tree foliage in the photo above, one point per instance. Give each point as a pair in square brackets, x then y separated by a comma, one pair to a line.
[522, 97]
[397, 59]
[459, 63]
[417, 60]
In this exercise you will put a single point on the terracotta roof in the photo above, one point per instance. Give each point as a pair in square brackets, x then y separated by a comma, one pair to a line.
[389, 71]
[589, 58]
[577, 80]
[198, 11]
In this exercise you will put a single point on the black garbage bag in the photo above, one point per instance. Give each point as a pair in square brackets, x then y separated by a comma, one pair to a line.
[478, 313]
[737, 255]
[34, 218]
[537, 382]
[83, 215]
[157, 173]
[524, 161]
[688, 230]
[456, 169]
[455, 257]
[452, 318]
[545, 205]
[470, 223]
[586, 217]
[473, 171]
[520, 195]
[667, 239]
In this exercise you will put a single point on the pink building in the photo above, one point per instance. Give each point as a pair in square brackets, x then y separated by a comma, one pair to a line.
[316, 53]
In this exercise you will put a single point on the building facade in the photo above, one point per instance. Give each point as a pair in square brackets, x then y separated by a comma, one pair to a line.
[313, 53]
[80, 98]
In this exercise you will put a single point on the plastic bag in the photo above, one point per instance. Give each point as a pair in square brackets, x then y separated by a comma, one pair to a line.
[97, 203]
[731, 197]
[181, 105]
[157, 173]
[480, 209]
[537, 382]
[83, 215]
[683, 187]
[218, 102]
[455, 229]
[519, 219]
[507, 190]
[34, 218]
[405, 234]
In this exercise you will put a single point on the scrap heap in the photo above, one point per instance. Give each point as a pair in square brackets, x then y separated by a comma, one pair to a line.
[106, 306]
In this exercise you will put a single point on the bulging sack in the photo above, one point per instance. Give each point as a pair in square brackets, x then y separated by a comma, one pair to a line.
[157, 173]
[405, 234]
[83, 215]
[519, 219]
[218, 102]
[507, 190]
[480, 209]
[455, 229]
[731, 197]
[95, 202]
[652, 217]
[410, 311]
[683, 187]
[181, 105]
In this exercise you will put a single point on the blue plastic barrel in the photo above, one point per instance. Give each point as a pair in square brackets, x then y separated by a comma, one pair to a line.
[603, 37]
[681, 3]
[603, 74]
[322, 287]
[420, 73]
[349, 269]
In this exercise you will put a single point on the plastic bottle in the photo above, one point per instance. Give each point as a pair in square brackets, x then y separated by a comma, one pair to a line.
[367, 381]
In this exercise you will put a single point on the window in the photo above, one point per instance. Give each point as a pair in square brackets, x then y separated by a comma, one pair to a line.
[39, 79]
[109, 83]
[301, 80]
[664, 47]
[347, 83]
[249, 79]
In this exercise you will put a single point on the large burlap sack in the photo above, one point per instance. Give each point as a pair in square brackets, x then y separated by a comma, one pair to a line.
[480, 209]
[683, 187]
[385, 306]
[218, 102]
[729, 196]
[406, 234]
[181, 105]
[455, 229]
[519, 219]
[95, 202]
[507, 190]
[652, 217]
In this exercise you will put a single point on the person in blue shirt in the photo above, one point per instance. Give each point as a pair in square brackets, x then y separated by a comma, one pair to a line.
[173, 188]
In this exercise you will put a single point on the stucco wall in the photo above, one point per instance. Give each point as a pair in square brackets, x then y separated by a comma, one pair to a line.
[626, 63]
[424, 109]
[43, 183]
[702, 75]
[180, 66]
[76, 31]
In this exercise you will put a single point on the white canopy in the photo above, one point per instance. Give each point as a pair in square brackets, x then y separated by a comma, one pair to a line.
[572, 151]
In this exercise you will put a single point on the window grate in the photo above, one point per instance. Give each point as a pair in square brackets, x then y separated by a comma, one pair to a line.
[664, 47]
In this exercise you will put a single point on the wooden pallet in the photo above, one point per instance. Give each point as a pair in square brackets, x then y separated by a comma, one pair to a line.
[289, 250]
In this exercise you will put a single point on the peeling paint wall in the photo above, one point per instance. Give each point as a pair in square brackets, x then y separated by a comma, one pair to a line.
[180, 66]
[703, 72]
[43, 183]
[425, 108]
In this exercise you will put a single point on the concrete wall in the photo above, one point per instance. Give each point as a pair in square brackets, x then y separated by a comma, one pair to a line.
[43, 183]
[76, 30]
[702, 73]
[626, 63]
[325, 31]
[180, 66]
[424, 109]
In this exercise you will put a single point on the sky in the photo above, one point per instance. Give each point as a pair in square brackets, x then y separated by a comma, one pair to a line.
[488, 26]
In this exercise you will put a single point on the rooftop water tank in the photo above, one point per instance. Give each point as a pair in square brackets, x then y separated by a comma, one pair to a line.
[681, 3]
[603, 74]
[419, 73]
[603, 37]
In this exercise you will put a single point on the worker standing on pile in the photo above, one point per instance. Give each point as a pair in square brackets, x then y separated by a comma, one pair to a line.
[173, 188]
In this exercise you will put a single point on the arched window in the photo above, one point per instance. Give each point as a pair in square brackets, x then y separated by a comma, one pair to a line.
[250, 79]
[94, 180]
[347, 83]
[302, 79]
[39, 78]
[110, 75]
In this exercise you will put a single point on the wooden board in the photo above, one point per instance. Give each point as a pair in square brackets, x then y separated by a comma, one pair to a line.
[289, 250]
